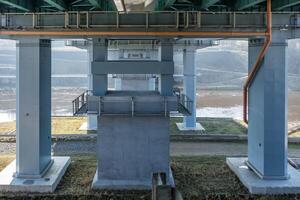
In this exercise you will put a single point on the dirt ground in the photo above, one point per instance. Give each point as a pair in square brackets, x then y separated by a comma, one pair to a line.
[214, 98]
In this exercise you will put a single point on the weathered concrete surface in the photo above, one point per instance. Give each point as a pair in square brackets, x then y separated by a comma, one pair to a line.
[130, 150]
[48, 183]
[257, 185]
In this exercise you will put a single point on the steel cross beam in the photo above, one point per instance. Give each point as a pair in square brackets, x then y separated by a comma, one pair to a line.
[244, 4]
[58, 4]
[18, 4]
[208, 3]
[103, 4]
[162, 4]
[282, 4]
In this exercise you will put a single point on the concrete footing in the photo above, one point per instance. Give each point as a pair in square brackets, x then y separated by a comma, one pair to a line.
[257, 185]
[182, 127]
[48, 183]
[127, 184]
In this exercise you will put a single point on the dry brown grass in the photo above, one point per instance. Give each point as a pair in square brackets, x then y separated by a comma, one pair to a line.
[67, 125]
[7, 127]
[5, 160]
[60, 125]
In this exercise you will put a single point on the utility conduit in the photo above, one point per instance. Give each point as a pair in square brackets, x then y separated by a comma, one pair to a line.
[257, 65]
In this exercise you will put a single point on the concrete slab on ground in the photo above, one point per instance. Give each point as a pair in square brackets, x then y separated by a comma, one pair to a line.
[9, 183]
[257, 185]
[182, 127]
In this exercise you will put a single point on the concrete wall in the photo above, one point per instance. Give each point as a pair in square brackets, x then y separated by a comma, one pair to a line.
[130, 149]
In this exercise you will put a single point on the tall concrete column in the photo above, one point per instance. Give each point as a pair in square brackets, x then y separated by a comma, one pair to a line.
[33, 107]
[34, 170]
[166, 81]
[267, 129]
[98, 83]
[190, 89]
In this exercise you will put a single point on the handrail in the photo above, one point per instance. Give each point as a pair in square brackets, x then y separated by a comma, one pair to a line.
[132, 105]
[79, 102]
[257, 64]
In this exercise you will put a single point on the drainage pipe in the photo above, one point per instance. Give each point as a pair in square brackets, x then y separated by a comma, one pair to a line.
[257, 65]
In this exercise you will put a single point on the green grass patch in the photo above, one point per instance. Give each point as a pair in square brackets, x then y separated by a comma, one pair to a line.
[212, 126]
[197, 178]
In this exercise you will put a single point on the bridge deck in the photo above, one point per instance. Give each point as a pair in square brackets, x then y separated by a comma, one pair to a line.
[177, 23]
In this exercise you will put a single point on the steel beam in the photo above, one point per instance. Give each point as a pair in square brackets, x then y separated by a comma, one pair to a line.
[58, 4]
[163, 4]
[18, 4]
[282, 4]
[208, 3]
[244, 4]
[103, 5]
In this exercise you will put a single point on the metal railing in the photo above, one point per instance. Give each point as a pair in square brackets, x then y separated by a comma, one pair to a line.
[79, 102]
[145, 20]
[185, 104]
[132, 105]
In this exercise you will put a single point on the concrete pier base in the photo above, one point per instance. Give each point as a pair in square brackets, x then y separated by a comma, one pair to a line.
[48, 183]
[182, 127]
[130, 150]
[127, 184]
[256, 185]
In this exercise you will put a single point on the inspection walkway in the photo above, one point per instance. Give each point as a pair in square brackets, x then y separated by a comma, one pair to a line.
[177, 148]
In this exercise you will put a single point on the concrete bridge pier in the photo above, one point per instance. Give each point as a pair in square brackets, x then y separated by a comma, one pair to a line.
[34, 169]
[190, 88]
[133, 135]
[266, 170]
[98, 83]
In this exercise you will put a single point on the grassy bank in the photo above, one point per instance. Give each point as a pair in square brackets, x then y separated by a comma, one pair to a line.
[71, 125]
[197, 178]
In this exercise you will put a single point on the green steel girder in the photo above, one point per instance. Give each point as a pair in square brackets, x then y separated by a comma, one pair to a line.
[23, 5]
[103, 4]
[244, 4]
[208, 3]
[58, 4]
[282, 4]
[163, 4]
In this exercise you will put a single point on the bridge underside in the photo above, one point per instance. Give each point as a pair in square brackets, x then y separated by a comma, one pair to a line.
[99, 22]
[150, 5]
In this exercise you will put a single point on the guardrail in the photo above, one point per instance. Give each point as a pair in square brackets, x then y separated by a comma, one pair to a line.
[144, 20]
[132, 105]
[79, 102]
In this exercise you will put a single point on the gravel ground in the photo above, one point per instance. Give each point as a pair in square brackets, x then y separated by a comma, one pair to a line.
[177, 148]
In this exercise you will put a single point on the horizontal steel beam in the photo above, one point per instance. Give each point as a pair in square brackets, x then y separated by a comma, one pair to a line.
[155, 24]
[103, 5]
[132, 34]
[18, 4]
[282, 4]
[58, 4]
[132, 67]
[208, 3]
[244, 4]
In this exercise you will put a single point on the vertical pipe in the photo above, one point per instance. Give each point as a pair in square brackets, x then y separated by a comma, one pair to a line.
[257, 64]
